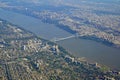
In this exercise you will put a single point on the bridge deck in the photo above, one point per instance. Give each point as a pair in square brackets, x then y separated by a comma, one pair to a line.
[60, 39]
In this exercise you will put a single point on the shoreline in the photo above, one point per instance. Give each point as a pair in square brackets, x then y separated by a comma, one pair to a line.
[89, 38]
[66, 28]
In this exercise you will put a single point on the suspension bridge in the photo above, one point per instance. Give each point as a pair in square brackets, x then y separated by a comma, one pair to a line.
[64, 38]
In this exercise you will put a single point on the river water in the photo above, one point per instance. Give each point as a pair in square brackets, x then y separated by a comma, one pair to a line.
[89, 49]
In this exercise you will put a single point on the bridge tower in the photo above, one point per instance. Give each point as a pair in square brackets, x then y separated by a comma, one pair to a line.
[54, 40]
[77, 35]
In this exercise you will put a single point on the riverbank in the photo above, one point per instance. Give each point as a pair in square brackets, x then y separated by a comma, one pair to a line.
[90, 49]
[67, 28]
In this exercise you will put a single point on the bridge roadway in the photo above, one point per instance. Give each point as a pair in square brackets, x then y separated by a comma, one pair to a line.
[60, 39]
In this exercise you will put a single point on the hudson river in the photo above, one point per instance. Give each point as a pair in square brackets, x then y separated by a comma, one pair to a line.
[89, 49]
